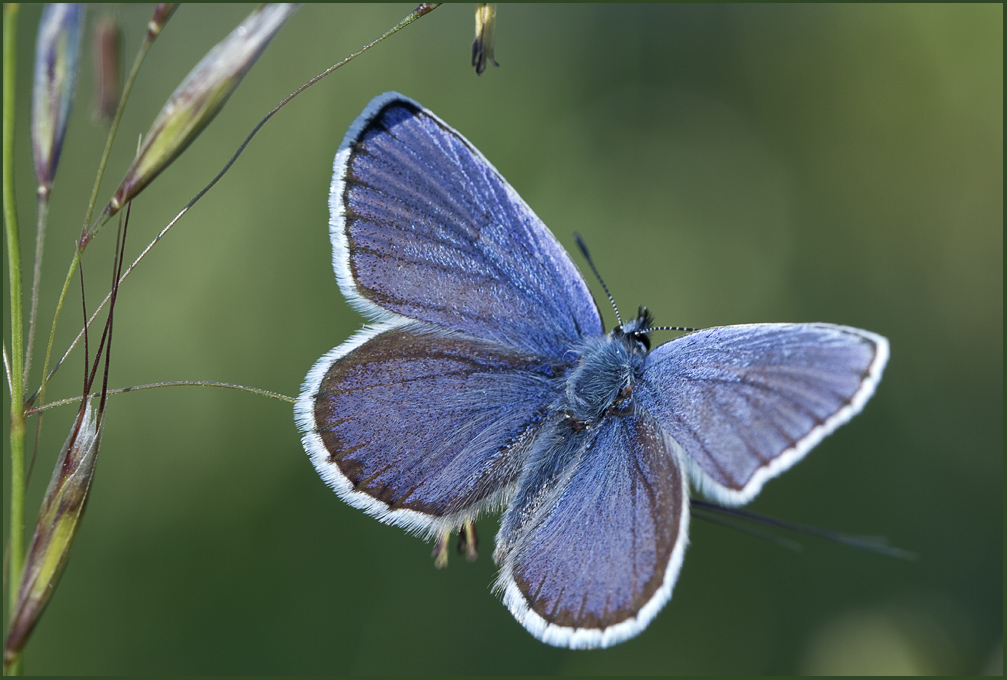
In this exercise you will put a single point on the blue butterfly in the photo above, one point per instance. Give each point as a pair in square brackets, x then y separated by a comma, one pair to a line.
[487, 381]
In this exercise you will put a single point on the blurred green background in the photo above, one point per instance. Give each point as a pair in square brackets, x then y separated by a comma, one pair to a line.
[726, 164]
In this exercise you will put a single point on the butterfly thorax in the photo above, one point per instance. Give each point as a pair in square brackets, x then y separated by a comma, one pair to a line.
[606, 369]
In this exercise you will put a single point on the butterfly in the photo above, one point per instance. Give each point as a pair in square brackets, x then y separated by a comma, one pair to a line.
[487, 381]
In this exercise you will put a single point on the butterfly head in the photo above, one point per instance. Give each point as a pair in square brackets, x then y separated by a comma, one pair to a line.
[636, 332]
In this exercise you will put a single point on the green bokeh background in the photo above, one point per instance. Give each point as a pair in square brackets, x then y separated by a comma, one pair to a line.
[726, 164]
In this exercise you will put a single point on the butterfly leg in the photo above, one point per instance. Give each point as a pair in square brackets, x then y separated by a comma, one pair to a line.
[468, 541]
[440, 553]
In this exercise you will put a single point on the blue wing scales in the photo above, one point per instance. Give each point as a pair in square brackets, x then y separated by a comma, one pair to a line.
[591, 548]
[420, 427]
[424, 227]
[747, 402]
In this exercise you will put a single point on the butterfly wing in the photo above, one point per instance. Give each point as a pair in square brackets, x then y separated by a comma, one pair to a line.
[424, 227]
[420, 427]
[747, 402]
[591, 548]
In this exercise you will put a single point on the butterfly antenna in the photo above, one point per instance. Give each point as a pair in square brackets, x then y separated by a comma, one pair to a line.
[673, 328]
[871, 543]
[587, 256]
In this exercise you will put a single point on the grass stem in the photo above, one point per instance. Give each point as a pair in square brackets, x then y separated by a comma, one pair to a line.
[17, 484]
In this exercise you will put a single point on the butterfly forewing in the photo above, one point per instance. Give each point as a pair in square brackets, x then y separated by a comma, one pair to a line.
[590, 552]
[747, 402]
[420, 427]
[424, 227]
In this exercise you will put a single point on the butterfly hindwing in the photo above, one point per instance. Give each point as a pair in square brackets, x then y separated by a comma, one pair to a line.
[591, 547]
[424, 227]
[420, 427]
[747, 402]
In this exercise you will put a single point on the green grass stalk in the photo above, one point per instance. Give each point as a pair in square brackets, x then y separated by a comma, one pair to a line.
[17, 482]
[41, 221]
